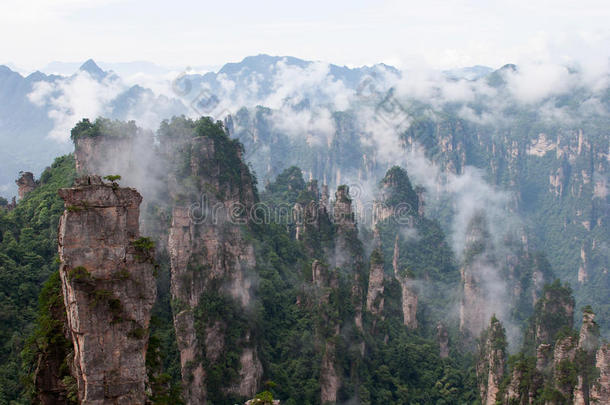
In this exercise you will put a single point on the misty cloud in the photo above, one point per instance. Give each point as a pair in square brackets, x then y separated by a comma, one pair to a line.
[71, 99]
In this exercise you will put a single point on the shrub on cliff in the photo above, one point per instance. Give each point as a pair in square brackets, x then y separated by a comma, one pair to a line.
[103, 126]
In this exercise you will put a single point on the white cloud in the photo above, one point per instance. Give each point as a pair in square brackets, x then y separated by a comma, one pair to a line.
[534, 82]
[316, 126]
[313, 83]
[72, 99]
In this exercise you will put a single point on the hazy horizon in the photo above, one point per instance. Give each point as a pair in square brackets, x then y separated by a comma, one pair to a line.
[402, 34]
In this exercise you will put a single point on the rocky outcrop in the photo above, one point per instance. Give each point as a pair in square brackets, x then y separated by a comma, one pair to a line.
[311, 219]
[408, 296]
[472, 308]
[409, 303]
[297, 217]
[554, 311]
[570, 163]
[478, 262]
[544, 357]
[565, 363]
[588, 338]
[109, 290]
[325, 198]
[318, 274]
[491, 362]
[330, 380]
[124, 151]
[329, 377]
[342, 214]
[588, 344]
[374, 298]
[516, 393]
[563, 358]
[600, 391]
[583, 272]
[346, 256]
[557, 181]
[442, 337]
[25, 184]
[332, 239]
[348, 249]
[381, 212]
[397, 199]
[212, 260]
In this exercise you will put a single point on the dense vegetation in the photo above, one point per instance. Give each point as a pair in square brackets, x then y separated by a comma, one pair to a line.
[28, 257]
[103, 126]
[562, 219]
[405, 368]
[555, 360]
[293, 320]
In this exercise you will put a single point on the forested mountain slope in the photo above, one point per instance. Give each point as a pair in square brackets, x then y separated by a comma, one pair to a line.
[281, 292]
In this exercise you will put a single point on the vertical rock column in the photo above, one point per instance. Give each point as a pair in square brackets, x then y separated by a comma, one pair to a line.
[477, 267]
[348, 251]
[588, 344]
[374, 298]
[107, 274]
[442, 337]
[492, 360]
[408, 295]
[211, 259]
[600, 391]
[26, 183]
[330, 381]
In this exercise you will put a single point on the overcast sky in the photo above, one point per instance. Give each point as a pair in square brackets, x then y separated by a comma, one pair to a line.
[438, 34]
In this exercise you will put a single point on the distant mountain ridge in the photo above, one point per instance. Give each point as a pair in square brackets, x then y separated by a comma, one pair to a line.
[25, 125]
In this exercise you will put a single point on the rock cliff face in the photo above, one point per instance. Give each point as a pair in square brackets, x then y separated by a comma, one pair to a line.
[374, 298]
[472, 309]
[408, 295]
[212, 260]
[566, 366]
[588, 344]
[600, 392]
[109, 290]
[555, 173]
[26, 183]
[333, 239]
[311, 217]
[515, 391]
[342, 215]
[400, 203]
[492, 362]
[330, 380]
[130, 153]
[348, 252]
[409, 302]
[570, 166]
[442, 336]
[588, 338]
[563, 354]
[477, 263]
[554, 311]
